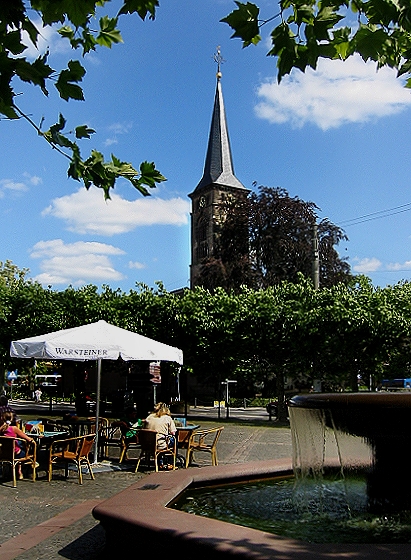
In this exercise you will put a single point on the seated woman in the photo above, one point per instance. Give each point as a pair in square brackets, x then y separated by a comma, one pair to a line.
[8, 430]
[161, 422]
[130, 424]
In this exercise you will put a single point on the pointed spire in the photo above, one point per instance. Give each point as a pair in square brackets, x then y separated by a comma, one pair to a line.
[218, 167]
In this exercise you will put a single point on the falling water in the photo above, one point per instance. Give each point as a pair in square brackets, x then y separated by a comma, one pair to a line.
[318, 444]
[319, 448]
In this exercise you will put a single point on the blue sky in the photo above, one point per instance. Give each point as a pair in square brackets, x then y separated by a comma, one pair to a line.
[339, 137]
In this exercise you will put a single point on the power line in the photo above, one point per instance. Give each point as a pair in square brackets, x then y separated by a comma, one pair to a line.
[376, 215]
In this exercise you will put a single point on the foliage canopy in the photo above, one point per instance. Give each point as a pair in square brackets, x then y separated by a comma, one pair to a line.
[265, 337]
[77, 22]
[378, 30]
[267, 238]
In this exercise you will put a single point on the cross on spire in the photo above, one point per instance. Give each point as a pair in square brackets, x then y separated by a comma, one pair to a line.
[219, 60]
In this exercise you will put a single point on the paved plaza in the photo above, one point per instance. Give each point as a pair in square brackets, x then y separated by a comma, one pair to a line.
[45, 520]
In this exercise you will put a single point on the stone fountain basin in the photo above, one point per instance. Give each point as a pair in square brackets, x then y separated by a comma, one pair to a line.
[138, 519]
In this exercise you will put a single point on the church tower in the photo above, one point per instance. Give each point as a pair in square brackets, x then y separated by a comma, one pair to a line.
[217, 184]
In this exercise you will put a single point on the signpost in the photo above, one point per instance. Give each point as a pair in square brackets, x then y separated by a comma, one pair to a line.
[11, 376]
[227, 395]
[155, 372]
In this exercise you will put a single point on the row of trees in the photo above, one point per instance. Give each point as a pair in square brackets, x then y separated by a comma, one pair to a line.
[266, 238]
[259, 337]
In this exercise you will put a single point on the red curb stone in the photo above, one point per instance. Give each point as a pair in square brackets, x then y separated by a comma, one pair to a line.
[26, 540]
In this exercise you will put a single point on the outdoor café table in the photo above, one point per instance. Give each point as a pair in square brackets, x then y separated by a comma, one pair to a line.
[45, 439]
[79, 426]
[184, 433]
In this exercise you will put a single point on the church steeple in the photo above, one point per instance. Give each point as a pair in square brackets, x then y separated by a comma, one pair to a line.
[218, 167]
[217, 185]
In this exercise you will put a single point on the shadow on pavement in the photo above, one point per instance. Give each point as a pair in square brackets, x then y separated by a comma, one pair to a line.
[89, 546]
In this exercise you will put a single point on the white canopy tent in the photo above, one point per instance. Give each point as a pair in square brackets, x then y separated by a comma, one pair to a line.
[95, 341]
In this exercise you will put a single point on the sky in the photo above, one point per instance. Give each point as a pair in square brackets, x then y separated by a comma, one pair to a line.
[339, 137]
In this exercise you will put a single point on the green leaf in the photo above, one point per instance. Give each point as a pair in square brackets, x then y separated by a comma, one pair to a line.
[53, 11]
[83, 131]
[65, 86]
[326, 19]
[381, 12]
[88, 42]
[54, 136]
[149, 174]
[109, 34]
[141, 7]
[35, 72]
[370, 42]
[7, 110]
[341, 42]
[69, 91]
[13, 43]
[31, 30]
[244, 22]
[67, 31]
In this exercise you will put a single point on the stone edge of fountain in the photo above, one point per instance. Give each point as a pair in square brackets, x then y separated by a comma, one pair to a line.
[138, 518]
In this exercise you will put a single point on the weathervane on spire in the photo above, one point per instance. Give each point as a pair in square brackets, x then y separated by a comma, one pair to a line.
[219, 60]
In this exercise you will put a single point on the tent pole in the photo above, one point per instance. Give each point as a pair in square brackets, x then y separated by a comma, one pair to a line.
[97, 409]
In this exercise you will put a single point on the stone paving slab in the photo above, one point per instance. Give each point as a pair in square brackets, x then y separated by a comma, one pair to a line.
[34, 516]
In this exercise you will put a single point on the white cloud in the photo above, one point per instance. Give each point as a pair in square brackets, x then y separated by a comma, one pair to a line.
[33, 179]
[121, 128]
[399, 266]
[75, 263]
[110, 141]
[10, 186]
[137, 265]
[18, 187]
[118, 129]
[58, 247]
[335, 94]
[48, 39]
[366, 265]
[88, 212]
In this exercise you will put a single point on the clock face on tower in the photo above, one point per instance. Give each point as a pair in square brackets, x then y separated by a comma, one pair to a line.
[202, 202]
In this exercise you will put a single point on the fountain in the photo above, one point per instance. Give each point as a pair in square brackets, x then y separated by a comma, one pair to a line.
[140, 513]
[380, 420]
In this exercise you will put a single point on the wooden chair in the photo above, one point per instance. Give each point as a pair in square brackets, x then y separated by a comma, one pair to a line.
[151, 443]
[102, 423]
[204, 440]
[7, 455]
[115, 436]
[128, 442]
[72, 450]
[103, 432]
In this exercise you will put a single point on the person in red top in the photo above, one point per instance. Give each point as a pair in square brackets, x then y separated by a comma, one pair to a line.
[8, 430]
[5, 407]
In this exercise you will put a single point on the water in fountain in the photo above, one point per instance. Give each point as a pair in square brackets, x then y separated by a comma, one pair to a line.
[350, 485]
